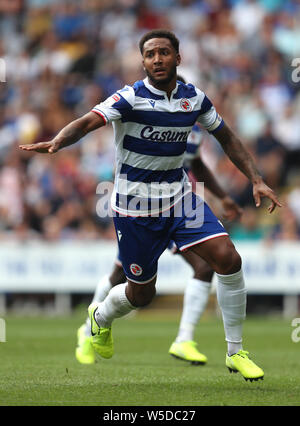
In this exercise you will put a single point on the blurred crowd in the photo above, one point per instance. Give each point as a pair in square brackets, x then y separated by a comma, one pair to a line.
[63, 57]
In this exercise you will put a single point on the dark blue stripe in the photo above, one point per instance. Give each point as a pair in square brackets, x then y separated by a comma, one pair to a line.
[135, 174]
[191, 148]
[162, 119]
[147, 147]
[141, 90]
[218, 128]
[185, 91]
[206, 105]
[122, 105]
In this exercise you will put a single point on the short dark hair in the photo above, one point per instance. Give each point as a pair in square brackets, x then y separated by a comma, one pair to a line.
[159, 34]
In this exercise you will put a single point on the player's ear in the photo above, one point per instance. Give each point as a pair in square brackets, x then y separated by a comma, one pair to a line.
[178, 59]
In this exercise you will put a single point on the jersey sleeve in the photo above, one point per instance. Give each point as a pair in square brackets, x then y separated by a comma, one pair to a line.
[208, 117]
[192, 146]
[193, 142]
[116, 106]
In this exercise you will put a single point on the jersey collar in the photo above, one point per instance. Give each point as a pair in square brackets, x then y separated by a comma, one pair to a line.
[157, 91]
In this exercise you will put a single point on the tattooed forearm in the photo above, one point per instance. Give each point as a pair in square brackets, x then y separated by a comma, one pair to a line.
[238, 154]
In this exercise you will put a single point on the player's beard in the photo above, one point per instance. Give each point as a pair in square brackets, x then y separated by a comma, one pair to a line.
[164, 81]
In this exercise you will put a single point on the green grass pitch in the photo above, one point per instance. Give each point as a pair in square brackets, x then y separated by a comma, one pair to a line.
[38, 367]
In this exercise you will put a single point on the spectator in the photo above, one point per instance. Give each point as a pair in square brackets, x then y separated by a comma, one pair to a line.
[249, 228]
[63, 57]
[271, 157]
[287, 229]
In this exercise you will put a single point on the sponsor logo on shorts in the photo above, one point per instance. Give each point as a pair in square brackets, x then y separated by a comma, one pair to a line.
[136, 269]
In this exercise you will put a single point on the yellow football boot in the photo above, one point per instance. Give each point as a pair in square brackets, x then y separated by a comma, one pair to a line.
[102, 340]
[240, 362]
[84, 353]
[187, 351]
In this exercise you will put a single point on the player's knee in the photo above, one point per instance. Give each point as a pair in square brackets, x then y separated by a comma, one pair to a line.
[140, 295]
[117, 276]
[228, 259]
[203, 272]
[141, 300]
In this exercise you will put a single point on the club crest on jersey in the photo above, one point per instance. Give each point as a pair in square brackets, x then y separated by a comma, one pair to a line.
[185, 105]
[136, 269]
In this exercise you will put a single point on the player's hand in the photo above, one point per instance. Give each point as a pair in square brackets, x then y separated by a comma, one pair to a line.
[41, 147]
[231, 210]
[261, 190]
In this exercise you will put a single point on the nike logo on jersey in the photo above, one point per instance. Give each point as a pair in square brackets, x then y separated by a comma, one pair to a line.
[152, 103]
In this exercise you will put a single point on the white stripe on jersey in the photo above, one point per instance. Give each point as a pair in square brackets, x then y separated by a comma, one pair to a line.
[150, 190]
[151, 162]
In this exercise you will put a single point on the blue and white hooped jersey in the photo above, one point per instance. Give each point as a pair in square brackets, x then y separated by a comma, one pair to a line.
[151, 134]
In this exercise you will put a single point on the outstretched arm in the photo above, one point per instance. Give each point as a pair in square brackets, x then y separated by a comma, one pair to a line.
[202, 173]
[238, 154]
[70, 134]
